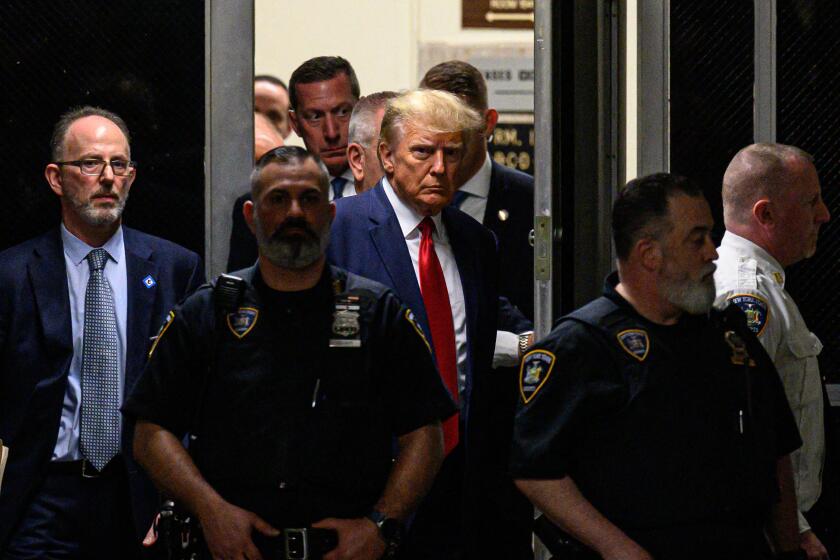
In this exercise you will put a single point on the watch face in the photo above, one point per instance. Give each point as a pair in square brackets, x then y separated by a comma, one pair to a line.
[391, 529]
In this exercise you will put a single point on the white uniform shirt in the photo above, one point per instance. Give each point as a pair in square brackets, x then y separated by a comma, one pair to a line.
[748, 276]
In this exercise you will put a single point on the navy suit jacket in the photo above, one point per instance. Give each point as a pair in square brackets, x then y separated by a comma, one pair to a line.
[512, 191]
[366, 239]
[36, 348]
[243, 244]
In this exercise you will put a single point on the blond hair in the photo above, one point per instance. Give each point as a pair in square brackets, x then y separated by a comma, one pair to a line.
[439, 112]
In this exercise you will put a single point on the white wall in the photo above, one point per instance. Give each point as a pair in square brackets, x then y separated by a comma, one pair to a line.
[381, 38]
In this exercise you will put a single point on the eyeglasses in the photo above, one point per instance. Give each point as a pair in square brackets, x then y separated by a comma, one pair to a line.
[120, 167]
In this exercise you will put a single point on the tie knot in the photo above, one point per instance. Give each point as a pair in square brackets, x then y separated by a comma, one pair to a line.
[427, 226]
[338, 186]
[96, 259]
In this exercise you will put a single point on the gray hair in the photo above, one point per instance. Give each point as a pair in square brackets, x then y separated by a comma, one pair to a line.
[76, 113]
[362, 130]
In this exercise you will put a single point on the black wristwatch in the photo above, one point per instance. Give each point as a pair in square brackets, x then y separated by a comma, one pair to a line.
[390, 529]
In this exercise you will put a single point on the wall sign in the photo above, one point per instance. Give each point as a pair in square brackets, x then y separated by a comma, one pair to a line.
[498, 14]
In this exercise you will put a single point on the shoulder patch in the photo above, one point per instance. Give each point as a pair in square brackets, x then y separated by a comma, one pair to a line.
[635, 342]
[755, 308]
[412, 320]
[536, 366]
[161, 330]
[241, 321]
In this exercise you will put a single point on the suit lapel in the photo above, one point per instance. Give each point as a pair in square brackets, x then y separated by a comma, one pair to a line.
[138, 265]
[495, 200]
[464, 248]
[48, 274]
[387, 237]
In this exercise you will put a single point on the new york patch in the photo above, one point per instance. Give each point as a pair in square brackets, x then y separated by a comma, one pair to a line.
[242, 321]
[635, 342]
[754, 308]
[536, 366]
[412, 320]
[161, 330]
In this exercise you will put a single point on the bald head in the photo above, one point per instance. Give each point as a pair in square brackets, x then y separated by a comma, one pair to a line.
[772, 197]
[266, 135]
[759, 171]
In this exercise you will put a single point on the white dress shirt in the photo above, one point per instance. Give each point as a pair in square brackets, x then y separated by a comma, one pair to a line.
[409, 221]
[475, 205]
[78, 272]
[478, 188]
[744, 268]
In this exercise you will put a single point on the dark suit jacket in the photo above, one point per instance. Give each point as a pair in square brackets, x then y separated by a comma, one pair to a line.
[36, 348]
[366, 239]
[513, 192]
[243, 244]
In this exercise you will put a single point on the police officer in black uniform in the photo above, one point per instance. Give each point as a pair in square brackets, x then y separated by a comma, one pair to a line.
[648, 426]
[310, 395]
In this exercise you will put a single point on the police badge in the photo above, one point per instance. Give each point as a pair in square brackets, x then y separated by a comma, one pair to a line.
[345, 327]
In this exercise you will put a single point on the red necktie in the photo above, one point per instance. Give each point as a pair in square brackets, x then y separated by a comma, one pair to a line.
[439, 312]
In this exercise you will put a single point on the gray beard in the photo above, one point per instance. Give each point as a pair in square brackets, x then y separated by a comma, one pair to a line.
[695, 298]
[99, 216]
[295, 253]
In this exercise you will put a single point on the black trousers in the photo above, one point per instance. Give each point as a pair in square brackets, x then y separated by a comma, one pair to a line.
[74, 517]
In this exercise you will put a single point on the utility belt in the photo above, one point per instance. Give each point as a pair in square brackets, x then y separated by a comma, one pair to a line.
[180, 538]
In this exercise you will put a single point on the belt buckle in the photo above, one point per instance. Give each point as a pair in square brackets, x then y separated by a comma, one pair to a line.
[297, 544]
[93, 473]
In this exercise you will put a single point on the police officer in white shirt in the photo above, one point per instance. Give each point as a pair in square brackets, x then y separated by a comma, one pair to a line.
[773, 210]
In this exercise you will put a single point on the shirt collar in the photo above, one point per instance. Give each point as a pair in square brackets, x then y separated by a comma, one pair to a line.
[479, 184]
[348, 174]
[745, 246]
[78, 250]
[407, 216]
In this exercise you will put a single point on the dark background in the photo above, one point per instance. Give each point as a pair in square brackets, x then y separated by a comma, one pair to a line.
[142, 60]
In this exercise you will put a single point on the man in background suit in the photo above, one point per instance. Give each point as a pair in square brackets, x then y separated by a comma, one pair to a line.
[503, 200]
[443, 265]
[243, 245]
[499, 197]
[271, 98]
[363, 139]
[322, 92]
[79, 308]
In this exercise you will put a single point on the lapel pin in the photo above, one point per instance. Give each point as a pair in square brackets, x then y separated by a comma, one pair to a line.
[149, 282]
[503, 215]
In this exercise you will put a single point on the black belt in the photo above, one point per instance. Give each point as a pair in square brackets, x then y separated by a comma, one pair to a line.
[84, 468]
[308, 543]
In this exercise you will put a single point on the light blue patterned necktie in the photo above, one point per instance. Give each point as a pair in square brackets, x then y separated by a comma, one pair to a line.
[100, 415]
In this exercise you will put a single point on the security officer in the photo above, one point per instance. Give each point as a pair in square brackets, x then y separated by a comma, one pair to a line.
[773, 210]
[647, 428]
[294, 396]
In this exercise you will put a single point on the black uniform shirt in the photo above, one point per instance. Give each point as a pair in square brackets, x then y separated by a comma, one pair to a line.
[273, 405]
[651, 421]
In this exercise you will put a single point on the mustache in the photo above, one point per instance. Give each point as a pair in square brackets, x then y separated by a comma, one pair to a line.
[282, 230]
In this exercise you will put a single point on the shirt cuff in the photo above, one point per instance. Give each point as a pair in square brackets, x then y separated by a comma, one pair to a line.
[507, 350]
[802, 522]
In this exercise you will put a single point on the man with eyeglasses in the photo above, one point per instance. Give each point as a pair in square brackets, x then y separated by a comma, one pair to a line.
[79, 308]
